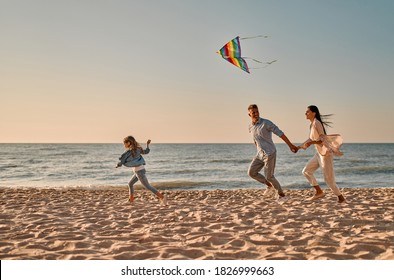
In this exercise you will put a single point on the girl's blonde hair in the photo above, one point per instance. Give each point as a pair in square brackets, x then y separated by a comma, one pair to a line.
[134, 146]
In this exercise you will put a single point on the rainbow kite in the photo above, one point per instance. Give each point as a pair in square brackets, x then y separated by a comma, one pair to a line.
[232, 53]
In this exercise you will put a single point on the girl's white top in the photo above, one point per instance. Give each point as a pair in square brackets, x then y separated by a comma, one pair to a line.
[138, 168]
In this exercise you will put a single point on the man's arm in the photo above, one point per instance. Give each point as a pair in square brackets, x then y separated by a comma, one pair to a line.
[293, 148]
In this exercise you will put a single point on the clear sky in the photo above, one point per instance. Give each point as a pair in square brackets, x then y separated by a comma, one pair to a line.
[94, 71]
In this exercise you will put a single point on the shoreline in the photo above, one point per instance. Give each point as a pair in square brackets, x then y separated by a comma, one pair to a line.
[97, 224]
[174, 186]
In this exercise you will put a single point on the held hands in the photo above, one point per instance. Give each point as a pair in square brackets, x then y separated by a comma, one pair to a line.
[305, 145]
[293, 148]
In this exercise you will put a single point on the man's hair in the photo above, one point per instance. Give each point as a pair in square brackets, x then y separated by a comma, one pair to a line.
[252, 106]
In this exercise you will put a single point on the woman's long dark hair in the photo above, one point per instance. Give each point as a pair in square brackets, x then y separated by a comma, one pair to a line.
[320, 118]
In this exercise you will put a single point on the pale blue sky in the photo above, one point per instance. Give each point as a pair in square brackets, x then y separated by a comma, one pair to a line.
[96, 71]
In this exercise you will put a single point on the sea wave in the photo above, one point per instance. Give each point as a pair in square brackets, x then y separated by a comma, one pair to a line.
[67, 153]
[168, 185]
[8, 166]
[182, 166]
[365, 170]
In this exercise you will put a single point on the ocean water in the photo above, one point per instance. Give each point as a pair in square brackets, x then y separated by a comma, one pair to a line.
[184, 166]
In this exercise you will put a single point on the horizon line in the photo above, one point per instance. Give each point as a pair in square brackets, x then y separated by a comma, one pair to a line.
[173, 143]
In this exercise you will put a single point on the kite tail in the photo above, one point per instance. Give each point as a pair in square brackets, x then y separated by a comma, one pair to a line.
[258, 36]
[259, 67]
[253, 59]
[268, 63]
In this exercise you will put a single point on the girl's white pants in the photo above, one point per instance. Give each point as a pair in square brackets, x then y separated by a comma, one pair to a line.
[327, 164]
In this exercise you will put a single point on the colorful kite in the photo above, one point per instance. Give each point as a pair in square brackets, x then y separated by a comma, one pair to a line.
[232, 53]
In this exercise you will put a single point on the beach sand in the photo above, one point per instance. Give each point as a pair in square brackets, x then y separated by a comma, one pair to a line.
[219, 224]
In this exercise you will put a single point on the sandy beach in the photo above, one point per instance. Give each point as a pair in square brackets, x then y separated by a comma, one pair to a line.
[219, 224]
